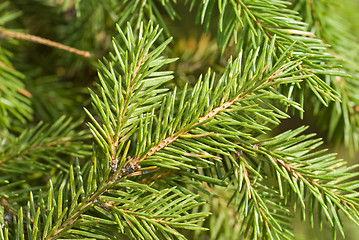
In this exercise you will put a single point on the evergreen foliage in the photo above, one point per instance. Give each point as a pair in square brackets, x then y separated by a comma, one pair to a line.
[148, 153]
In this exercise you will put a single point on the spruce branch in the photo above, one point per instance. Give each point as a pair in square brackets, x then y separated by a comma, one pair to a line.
[270, 218]
[108, 182]
[190, 124]
[249, 21]
[323, 18]
[280, 73]
[254, 82]
[302, 173]
[37, 149]
[15, 99]
[165, 157]
[130, 93]
[321, 179]
[129, 208]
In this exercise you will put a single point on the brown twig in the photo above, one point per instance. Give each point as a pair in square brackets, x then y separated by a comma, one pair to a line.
[40, 40]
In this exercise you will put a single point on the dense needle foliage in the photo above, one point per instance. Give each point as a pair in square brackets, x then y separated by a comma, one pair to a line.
[175, 137]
